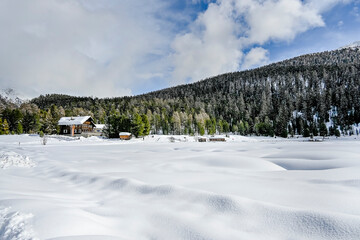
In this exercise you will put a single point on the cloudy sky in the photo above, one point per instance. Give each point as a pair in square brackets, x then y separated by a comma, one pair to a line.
[108, 48]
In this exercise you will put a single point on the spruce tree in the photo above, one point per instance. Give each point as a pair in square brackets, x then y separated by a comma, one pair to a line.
[6, 127]
[234, 129]
[323, 130]
[201, 128]
[137, 125]
[226, 126]
[146, 122]
[241, 127]
[1, 127]
[19, 128]
[306, 132]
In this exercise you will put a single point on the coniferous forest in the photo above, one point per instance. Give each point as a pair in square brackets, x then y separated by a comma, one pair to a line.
[314, 94]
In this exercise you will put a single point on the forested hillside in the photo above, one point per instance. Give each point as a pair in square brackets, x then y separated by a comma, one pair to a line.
[315, 94]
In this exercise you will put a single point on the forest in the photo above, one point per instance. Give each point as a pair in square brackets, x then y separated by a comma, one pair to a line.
[310, 95]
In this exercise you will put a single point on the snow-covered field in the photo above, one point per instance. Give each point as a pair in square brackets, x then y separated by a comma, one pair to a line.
[245, 188]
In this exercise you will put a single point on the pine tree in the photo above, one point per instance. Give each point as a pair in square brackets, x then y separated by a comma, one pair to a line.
[110, 128]
[19, 128]
[247, 128]
[264, 109]
[234, 129]
[241, 127]
[226, 126]
[137, 125]
[201, 128]
[30, 122]
[146, 123]
[176, 123]
[323, 130]
[220, 127]
[157, 123]
[5, 127]
[208, 124]
[282, 121]
[337, 133]
[1, 127]
[306, 132]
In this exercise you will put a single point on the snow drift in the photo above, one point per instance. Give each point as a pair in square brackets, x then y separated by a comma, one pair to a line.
[15, 225]
[153, 188]
[13, 159]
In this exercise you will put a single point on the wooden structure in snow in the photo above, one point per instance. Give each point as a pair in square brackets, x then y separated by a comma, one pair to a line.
[98, 130]
[80, 125]
[125, 135]
[217, 139]
[202, 139]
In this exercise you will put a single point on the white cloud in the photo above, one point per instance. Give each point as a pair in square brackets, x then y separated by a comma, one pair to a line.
[217, 39]
[113, 48]
[210, 48]
[278, 20]
[340, 23]
[79, 47]
[355, 12]
[325, 5]
[256, 57]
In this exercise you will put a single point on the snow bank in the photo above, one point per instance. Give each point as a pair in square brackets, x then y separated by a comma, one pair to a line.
[15, 225]
[13, 159]
[187, 138]
[158, 188]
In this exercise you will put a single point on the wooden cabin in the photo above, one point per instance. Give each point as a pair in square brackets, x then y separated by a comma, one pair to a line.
[217, 139]
[99, 129]
[202, 139]
[81, 125]
[125, 135]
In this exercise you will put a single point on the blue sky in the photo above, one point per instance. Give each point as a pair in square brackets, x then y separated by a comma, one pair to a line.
[113, 48]
[342, 28]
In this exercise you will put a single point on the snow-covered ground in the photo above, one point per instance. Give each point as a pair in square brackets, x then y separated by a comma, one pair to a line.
[245, 188]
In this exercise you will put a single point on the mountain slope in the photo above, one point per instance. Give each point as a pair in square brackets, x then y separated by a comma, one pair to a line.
[294, 96]
[9, 98]
[328, 60]
[352, 45]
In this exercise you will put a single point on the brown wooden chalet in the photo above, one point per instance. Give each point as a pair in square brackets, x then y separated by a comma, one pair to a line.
[76, 125]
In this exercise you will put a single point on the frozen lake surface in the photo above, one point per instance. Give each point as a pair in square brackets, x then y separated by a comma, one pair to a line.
[245, 188]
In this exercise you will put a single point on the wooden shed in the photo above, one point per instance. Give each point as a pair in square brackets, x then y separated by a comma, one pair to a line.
[201, 139]
[125, 135]
[217, 139]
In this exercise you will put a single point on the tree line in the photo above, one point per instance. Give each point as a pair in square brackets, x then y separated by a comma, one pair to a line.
[315, 94]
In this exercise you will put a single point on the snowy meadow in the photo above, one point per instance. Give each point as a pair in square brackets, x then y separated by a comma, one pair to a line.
[245, 188]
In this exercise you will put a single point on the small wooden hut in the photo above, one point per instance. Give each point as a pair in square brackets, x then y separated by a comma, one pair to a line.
[125, 135]
[201, 139]
[217, 139]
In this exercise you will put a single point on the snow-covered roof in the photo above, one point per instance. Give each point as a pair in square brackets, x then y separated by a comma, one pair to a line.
[73, 120]
[99, 126]
[124, 134]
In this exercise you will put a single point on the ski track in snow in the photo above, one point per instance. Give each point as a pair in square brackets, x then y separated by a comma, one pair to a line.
[93, 189]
